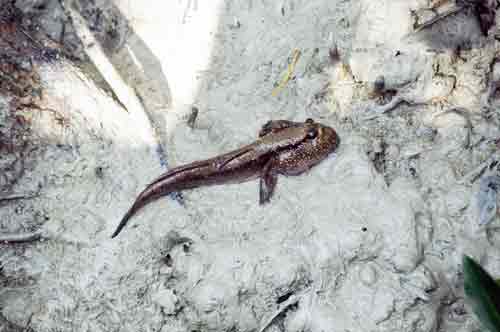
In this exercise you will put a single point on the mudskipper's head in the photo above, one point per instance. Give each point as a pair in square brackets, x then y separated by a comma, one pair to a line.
[316, 143]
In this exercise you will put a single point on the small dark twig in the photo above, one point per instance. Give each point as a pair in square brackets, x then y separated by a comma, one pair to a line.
[192, 117]
[417, 26]
[20, 238]
[17, 197]
[283, 307]
[333, 54]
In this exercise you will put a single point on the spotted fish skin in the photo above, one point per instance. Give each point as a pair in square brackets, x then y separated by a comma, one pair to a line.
[283, 148]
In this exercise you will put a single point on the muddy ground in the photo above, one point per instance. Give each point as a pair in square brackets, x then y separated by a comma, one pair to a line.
[369, 240]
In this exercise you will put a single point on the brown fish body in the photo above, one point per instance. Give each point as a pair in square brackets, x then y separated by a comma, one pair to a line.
[283, 147]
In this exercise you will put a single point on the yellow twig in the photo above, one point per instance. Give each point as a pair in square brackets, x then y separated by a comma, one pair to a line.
[291, 68]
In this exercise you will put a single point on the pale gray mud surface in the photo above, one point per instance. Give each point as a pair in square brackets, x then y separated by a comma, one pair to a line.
[369, 240]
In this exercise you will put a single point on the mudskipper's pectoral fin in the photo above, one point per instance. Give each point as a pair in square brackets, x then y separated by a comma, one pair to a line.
[268, 180]
[273, 126]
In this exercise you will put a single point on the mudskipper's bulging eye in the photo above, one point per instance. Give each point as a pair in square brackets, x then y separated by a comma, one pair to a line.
[312, 133]
[309, 121]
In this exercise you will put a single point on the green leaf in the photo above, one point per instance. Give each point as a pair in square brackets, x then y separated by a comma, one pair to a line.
[483, 293]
